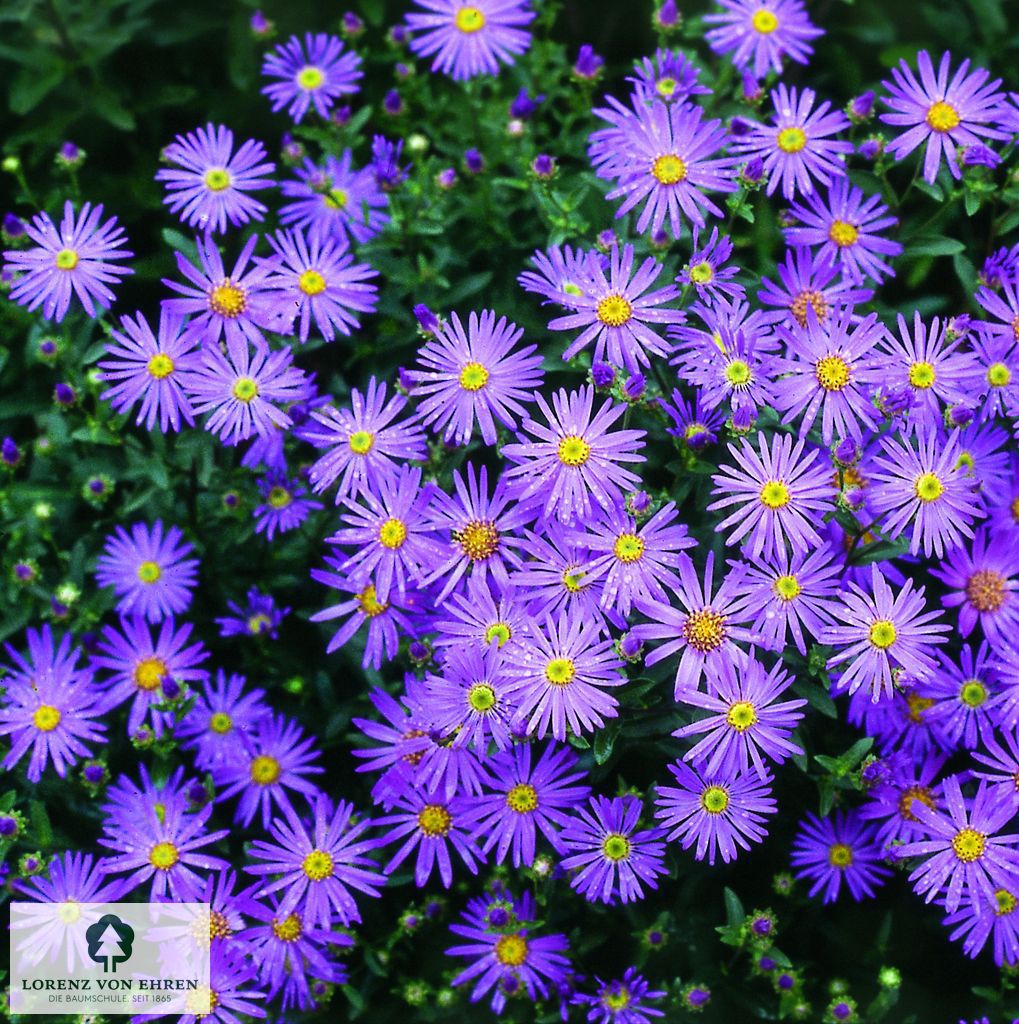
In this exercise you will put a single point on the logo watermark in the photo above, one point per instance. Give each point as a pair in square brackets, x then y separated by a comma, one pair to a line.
[110, 958]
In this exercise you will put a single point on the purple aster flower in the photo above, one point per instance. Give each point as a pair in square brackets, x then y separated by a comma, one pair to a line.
[808, 280]
[561, 274]
[836, 851]
[924, 484]
[705, 628]
[669, 76]
[313, 72]
[405, 741]
[963, 853]
[365, 443]
[998, 360]
[777, 492]
[985, 464]
[696, 425]
[482, 615]
[323, 282]
[49, 704]
[525, 793]
[663, 156]
[128, 802]
[149, 572]
[827, 369]
[207, 189]
[575, 458]
[239, 305]
[721, 813]
[983, 583]
[613, 858]
[634, 562]
[316, 868]
[259, 616]
[78, 258]
[901, 783]
[846, 227]
[470, 39]
[389, 175]
[616, 310]
[508, 957]
[624, 1000]
[792, 594]
[474, 373]
[284, 505]
[1004, 308]
[279, 759]
[706, 269]
[163, 848]
[761, 32]
[335, 201]
[223, 720]
[231, 990]
[981, 917]
[966, 697]
[244, 388]
[796, 147]
[431, 823]
[944, 113]
[744, 720]
[562, 674]
[882, 632]
[139, 665]
[151, 368]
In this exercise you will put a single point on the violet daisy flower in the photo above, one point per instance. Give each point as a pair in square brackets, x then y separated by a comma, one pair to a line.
[706, 269]
[744, 721]
[140, 666]
[836, 851]
[223, 720]
[151, 368]
[616, 309]
[313, 72]
[966, 698]
[208, 186]
[847, 228]
[482, 615]
[469, 39]
[575, 458]
[150, 573]
[318, 866]
[808, 280]
[924, 484]
[797, 148]
[284, 505]
[365, 444]
[231, 982]
[881, 632]
[405, 741]
[78, 258]
[260, 616]
[1004, 308]
[244, 388]
[983, 583]
[613, 859]
[997, 356]
[163, 848]
[279, 759]
[705, 628]
[238, 304]
[826, 370]
[49, 704]
[473, 374]
[324, 283]
[668, 75]
[634, 562]
[622, 1001]
[903, 781]
[722, 813]
[981, 917]
[964, 854]
[524, 796]
[696, 425]
[335, 201]
[562, 673]
[777, 492]
[759, 33]
[944, 113]
[431, 823]
[561, 274]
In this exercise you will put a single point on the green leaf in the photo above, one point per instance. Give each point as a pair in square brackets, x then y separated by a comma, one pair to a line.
[604, 741]
[179, 241]
[734, 912]
[31, 85]
[42, 830]
[934, 245]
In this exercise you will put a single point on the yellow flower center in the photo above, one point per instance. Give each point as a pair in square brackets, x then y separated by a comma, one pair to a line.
[715, 799]
[614, 310]
[999, 375]
[46, 717]
[311, 282]
[764, 21]
[573, 450]
[973, 693]
[741, 715]
[775, 494]
[969, 845]
[336, 199]
[66, 259]
[882, 634]
[245, 389]
[669, 169]
[149, 673]
[198, 999]
[573, 579]
[227, 300]
[986, 590]
[618, 1000]
[628, 548]
[928, 487]
[840, 855]
[149, 572]
[217, 179]
[220, 723]
[917, 706]
[160, 366]
[434, 820]
[912, 795]
[786, 588]
[805, 299]
[361, 442]
[560, 671]
[318, 865]
[392, 534]
[369, 604]
[511, 950]
[701, 273]
[310, 78]
[832, 373]
[163, 856]
[69, 911]
[666, 87]
[922, 375]
[473, 377]
[704, 630]
[791, 140]
[287, 930]
[615, 846]
[265, 770]
[498, 631]
[843, 234]
[1004, 902]
[942, 116]
[258, 623]
[481, 698]
[522, 798]
[469, 20]
[219, 925]
[478, 540]
[279, 498]
[737, 372]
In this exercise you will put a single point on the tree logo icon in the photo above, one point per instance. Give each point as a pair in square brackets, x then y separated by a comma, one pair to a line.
[109, 942]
